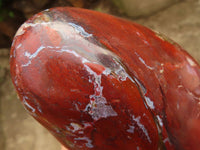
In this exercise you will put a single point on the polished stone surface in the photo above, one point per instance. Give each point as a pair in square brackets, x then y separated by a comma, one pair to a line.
[100, 82]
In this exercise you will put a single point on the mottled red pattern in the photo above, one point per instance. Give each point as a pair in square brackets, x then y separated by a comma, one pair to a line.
[100, 82]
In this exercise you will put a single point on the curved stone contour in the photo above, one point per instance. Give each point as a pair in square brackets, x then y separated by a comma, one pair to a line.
[100, 82]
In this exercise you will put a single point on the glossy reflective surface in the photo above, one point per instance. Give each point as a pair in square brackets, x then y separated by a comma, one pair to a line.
[100, 82]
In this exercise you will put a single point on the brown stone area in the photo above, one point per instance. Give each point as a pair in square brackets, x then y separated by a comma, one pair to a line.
[18, 131]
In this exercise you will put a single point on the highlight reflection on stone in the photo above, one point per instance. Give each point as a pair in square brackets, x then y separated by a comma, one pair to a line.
[100, 82]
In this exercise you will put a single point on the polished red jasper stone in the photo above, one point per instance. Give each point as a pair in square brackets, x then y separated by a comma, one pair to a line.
[100, 82]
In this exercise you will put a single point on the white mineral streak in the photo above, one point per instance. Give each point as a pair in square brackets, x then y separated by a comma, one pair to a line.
[131, 129]
[89, 142]
[30, 108]
[143, 62]
[191, 62]
[142, 37]
[18, 46]
[166, 140]
[80, 30]
[149, 102]
[159, 121]
[75, 126]
[97, 107]
[27, 105]
[141, 126]
[73, 53]
[121, 73]
[31, 56]
[14, 51]
[27, 64]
